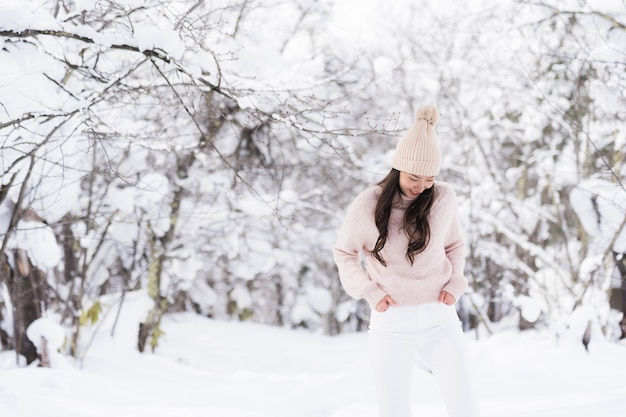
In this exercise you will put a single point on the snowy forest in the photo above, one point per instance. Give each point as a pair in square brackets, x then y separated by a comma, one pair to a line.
[203, 152]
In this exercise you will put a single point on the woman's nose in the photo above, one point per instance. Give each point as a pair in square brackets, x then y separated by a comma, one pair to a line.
[419, 185]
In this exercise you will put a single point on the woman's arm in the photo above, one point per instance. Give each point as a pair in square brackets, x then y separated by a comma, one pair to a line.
[352, 242]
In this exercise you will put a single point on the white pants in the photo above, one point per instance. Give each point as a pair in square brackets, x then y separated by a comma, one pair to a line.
[433, 332]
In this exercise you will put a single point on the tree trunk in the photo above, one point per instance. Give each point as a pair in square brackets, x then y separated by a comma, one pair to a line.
[26, 290]
[618, 295]
[6, 342]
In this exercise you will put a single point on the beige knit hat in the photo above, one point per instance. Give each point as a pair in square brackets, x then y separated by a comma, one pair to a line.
[418, 152]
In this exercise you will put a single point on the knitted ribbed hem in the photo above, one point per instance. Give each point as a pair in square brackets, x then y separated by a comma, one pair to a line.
[374, 296]
[412, 297]
[456, 286]
[426, 168]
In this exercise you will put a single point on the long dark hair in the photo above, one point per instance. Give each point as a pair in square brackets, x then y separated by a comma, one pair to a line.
[415, 218]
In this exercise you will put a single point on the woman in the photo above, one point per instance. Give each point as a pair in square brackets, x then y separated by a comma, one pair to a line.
[406, 230]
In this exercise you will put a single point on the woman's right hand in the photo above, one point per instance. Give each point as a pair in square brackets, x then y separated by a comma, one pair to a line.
[385, 303]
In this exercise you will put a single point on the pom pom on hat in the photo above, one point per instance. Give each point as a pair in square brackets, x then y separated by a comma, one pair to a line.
[418, 151]
[428, 113]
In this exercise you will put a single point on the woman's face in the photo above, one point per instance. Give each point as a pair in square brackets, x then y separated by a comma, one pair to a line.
[413, 185]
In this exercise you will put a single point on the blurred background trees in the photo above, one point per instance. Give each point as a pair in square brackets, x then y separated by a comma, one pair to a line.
[203, 154]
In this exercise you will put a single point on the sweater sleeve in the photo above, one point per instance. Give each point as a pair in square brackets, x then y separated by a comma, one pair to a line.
[350, 245]
[455, 251]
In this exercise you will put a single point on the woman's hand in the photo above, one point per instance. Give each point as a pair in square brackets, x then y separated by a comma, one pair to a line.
[446, 298]
[385, 303]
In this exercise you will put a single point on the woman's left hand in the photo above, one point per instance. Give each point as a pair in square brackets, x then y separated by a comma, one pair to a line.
[446, 298]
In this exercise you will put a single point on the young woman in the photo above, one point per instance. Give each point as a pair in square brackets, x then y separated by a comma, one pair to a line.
[400, 248]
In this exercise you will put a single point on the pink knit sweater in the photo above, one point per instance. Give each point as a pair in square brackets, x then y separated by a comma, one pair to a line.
[439, 266]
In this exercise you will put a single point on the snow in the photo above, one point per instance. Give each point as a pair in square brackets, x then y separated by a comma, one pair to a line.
[530, 308]
[600, 206]
[157, 38]
[204, 367]
[48, 329]
[39, 242]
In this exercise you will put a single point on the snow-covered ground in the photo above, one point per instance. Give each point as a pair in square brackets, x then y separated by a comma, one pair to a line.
[209, 368]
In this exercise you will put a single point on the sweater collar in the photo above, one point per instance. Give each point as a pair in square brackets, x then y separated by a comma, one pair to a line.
[401, 201]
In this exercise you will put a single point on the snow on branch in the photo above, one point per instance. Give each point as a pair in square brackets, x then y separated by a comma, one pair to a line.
[28, 33]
